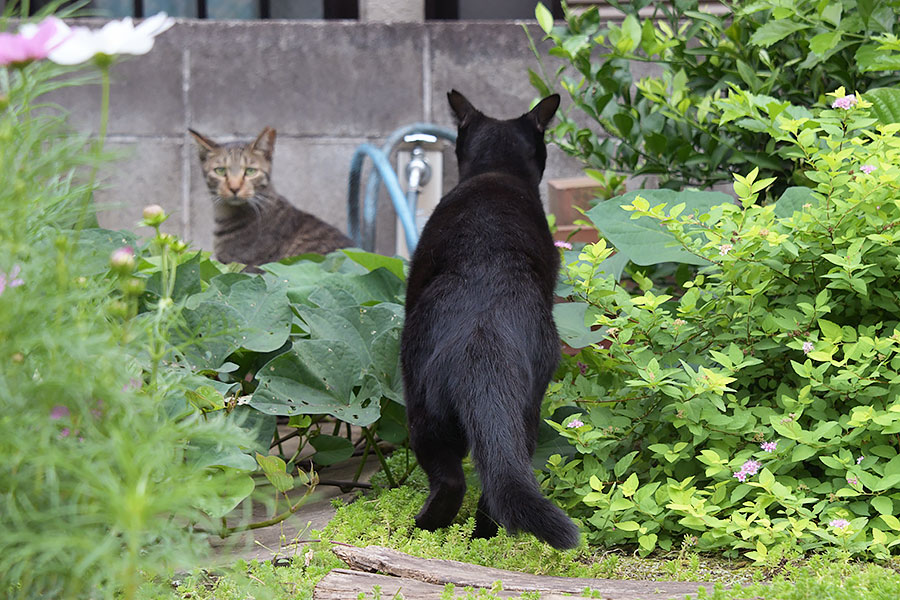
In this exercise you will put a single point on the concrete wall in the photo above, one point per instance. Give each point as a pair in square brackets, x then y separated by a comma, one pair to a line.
[326, 87]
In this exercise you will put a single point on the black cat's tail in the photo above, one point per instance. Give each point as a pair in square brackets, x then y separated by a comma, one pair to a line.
[501, 448]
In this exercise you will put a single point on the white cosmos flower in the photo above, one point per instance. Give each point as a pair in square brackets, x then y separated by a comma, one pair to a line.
[116, 37]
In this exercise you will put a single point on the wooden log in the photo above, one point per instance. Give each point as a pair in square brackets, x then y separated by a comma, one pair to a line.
[343, 584]
[441, 572]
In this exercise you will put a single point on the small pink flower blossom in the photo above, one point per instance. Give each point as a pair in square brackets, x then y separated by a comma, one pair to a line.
[64, 433]
[807, 347]
[860, 459]
[575, 423]
[33, 42]
[867, 169]
[846, 103]
[725, 249]
[679, 322]
[741, 476]
[582, 367]
[751, 467]
[852, 480]
[839, 523]
[769, 446]
[59, 412]
[562, 244]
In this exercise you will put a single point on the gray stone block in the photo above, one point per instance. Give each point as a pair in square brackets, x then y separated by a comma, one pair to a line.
[146, 172]
[305, 78]
[486, 62]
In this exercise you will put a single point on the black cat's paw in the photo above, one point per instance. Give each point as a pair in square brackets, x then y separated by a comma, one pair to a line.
[485, 528]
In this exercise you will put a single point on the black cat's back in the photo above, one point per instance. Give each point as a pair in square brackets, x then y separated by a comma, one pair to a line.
[479, 344]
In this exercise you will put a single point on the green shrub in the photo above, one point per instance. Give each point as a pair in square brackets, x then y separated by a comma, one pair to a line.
[754, 406]
[668, 123]
[97, 486]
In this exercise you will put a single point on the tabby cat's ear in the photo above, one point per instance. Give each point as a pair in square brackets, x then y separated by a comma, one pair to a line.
[206, 144]
[462, 108]
[265, 143]
[543, 112]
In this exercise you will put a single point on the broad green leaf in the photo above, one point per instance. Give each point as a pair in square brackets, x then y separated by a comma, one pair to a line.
[630, 485]
[206, 454]
[331, 449]
[775, 30]
[870, 58]
[373, 261]
[276, 472]
[885, 104]
[883, 505]
[823, 42]
[647, 542]
[891, 521]
[642, 239]
[792, 200]
[544, 17]
[216, 507]
[628, 525]
[316, 377]
[570, 321]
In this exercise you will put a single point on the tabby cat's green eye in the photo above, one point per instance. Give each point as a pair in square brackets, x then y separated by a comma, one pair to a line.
[250, 171]
[219, 170]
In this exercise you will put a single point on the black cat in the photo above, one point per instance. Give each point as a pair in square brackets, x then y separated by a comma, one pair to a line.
[479, 344]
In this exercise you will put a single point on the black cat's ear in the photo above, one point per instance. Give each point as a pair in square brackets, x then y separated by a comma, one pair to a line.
[206, 144]
[543, 112]
[462, 108]
[265, 142]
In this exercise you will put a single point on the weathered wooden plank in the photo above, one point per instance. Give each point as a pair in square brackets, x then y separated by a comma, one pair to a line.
[441, 572]
[342, 584]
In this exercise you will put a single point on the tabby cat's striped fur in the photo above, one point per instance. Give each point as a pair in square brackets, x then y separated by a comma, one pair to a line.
[253, 223]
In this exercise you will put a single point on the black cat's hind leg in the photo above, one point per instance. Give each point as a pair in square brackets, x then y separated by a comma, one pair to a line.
[485, 525]
[441, 459]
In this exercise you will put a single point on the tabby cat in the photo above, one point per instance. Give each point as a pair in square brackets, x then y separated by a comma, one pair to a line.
[253, 223]
[479, 344]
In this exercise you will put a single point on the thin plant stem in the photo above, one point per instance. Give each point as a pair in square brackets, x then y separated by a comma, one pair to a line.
[380, 455]
[104, 66]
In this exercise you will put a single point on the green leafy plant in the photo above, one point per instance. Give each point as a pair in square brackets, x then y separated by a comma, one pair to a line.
[753, 405]
[98, 487]
[667, 123]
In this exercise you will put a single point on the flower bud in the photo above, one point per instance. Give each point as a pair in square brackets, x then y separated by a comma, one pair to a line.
[122, 260]
[154, 215]
[134, 287]
[118, 308]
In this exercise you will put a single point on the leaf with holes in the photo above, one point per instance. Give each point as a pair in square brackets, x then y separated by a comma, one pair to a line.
[316, 377]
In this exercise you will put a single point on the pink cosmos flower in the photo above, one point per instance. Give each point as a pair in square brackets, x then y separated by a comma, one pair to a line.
[33, 42]
[12, 280]
[846, 103]
[563, 245]
[59, 412]
[867, 169]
